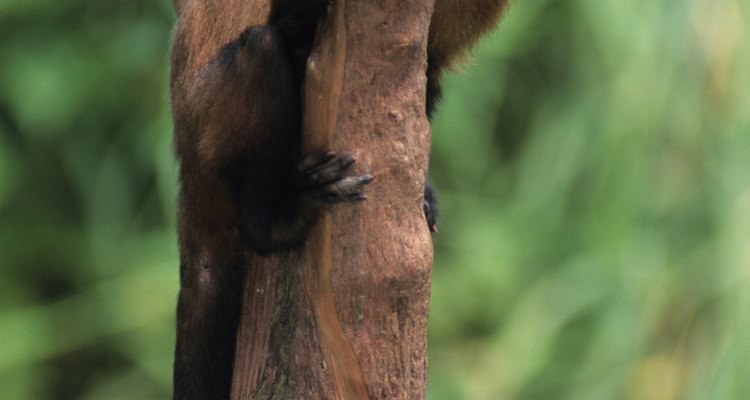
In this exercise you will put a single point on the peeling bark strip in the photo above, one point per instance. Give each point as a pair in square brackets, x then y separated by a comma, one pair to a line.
[346, 317]
[323, 83]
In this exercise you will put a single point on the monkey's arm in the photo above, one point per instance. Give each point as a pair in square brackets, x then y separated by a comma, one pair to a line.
[245, 108]
[455, 27]
[458, 24]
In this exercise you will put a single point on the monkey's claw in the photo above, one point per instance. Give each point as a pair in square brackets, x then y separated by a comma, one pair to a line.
[327, 178]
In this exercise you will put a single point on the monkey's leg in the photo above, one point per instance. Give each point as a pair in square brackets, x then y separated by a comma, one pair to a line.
[235, 111]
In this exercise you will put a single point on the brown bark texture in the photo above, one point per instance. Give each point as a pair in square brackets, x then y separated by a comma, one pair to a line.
[346, 317]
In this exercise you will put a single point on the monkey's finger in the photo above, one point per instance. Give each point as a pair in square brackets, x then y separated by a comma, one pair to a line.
[348, 189]
[316, 160]
[329, 172]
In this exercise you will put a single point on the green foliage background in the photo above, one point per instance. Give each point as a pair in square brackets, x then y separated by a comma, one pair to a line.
[593, 166]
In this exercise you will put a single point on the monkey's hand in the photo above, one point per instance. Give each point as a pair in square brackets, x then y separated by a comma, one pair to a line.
[326, 179]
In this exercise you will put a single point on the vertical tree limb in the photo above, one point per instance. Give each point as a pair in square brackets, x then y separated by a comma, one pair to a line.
[383, 252]
[347, 315]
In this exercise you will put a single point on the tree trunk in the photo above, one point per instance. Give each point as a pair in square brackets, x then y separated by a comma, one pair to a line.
[346, 317]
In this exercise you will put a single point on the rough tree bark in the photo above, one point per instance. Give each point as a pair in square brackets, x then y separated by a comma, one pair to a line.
[346, 317]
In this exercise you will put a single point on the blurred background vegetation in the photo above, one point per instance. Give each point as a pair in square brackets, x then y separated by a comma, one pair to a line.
[593, 164]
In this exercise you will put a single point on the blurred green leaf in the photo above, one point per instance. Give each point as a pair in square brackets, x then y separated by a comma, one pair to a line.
[591, 161]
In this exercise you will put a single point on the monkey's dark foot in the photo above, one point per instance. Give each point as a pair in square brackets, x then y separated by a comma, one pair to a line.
[327, 178]
[430, 206]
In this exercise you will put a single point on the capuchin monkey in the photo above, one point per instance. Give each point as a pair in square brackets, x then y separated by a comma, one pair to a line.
[246, 186]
